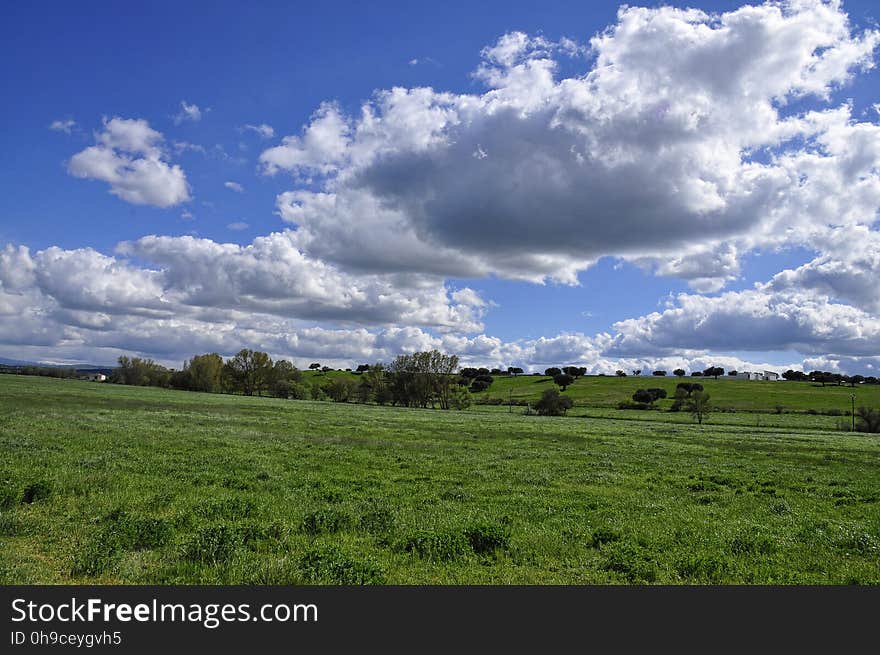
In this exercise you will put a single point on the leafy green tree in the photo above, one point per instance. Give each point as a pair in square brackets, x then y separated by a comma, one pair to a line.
[204, 372]
[250, 371]
[679, 372]
[553, 403]
[698, 405]
[552, 372]
[563, 380]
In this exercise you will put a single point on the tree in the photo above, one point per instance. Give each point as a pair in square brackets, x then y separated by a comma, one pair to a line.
[424, 378]
[563, 380]
[140, 373]
[713, 372]
[283, 377]
[619, 373]
[698, 405]
[496, 371]
[697, 374]
[869, 420]
[314, 366]
[204, 372]
[679, 372]
[552, 372]
[362, 368]
[514, 370]
[649, 396]
[250, 371]
[469, 373]
[552, 403]
[659, 374]
[575, 371]
[733, 373]
[683, 393]
[637, 372]
[341, 389]
[795, 376]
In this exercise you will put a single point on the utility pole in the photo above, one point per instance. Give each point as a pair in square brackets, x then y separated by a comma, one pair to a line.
[852, 397]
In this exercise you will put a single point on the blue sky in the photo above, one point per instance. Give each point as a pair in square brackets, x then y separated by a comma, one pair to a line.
[279, 64]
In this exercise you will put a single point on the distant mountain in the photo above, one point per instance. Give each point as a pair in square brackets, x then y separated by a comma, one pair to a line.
[4, 361]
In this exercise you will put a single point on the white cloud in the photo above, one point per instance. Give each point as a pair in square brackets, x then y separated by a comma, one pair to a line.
[238, 225]
[128, 156]
[188, 113]
[234, 186]
[262, 130]
[652, 155]
[67, 126]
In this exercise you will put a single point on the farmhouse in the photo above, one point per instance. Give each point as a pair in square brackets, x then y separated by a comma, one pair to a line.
[94, 377]
[757, 375]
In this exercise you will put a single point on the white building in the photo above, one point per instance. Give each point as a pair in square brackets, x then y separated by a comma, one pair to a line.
[756, 375]
[94, 377]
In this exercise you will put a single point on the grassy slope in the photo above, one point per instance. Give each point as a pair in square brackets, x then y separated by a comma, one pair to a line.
[742, 395]
[223, 485]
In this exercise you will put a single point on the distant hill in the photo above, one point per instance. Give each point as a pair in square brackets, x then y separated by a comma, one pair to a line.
[5, 361]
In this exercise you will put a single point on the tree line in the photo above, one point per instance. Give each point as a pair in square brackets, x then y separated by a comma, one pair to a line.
[422, 379]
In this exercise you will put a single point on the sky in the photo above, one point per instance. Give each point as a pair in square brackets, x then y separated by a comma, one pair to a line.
[520, 184]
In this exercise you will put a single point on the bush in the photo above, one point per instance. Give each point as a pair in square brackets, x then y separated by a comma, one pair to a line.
[36, 491]
[553, 403]
[488, 537]
[437, 546]
[478, 386]
[324, 521]
[869, 420]
[330, 565]
[627, 404]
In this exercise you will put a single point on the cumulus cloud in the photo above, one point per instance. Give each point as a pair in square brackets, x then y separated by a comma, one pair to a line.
[234, 186]
[651, 155]
[128, 156]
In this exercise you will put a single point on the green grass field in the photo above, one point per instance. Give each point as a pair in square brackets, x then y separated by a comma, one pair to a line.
[742, 395]
[110, 484]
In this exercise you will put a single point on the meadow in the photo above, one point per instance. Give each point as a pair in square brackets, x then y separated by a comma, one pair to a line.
[109, 484]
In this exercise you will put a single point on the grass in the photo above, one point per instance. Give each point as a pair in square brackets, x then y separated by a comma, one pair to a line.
[108, 484]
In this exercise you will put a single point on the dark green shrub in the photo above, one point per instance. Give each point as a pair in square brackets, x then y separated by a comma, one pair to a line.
[438, 546]
[324, 521]
[628, 404]
[486, 538]
[331, 566]
[36, 491]
[553, 403]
